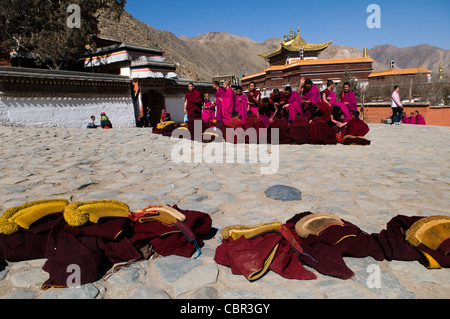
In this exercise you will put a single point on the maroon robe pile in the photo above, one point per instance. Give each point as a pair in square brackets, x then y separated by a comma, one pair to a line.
[93, 248]
[254, 122]
[283, 130]
[395, 247]
[299, 131]
[238, 130]
[169, 240]
[331, 245]
[319, 131]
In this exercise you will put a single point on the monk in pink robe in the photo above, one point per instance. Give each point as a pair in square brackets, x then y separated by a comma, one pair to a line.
[209, 111]
[412, 118]
[349, 98]
[406, 119]
[218, 103]
[228, 102]
[310, 96]
[253, 98]
[420, 120]
[241, 104]
[292, 104]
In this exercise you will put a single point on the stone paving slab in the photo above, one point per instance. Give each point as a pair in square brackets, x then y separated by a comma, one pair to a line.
[364, 185]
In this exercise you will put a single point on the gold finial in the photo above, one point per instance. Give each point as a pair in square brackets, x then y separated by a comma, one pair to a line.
[365, 54]
[298, 30]
[291, 34]
[284, 37]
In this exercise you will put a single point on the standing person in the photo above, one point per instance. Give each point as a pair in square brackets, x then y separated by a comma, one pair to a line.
[253, 97]
[349, 98]
[396, 105]
[218, 103]
[241, 104]
[228, 102]
[193, 102]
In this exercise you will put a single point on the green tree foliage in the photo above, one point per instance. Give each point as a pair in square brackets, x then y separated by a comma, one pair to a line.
[40, 27]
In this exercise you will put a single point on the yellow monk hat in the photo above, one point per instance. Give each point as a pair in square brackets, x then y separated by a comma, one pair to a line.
[238, 231]
[314, 224]
[26, 215]
[430, 231]
[79, 214]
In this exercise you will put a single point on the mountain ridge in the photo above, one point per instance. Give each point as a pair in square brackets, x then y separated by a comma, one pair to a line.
[221, 53]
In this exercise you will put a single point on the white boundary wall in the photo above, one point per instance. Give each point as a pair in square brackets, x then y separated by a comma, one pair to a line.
[65, 113]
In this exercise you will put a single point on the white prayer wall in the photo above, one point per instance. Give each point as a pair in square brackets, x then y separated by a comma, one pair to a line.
[65, 113]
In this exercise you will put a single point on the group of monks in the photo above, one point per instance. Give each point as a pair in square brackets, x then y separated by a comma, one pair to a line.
[414, 118]
[306, 116]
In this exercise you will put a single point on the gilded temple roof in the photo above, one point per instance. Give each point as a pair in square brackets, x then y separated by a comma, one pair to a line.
[294, 43]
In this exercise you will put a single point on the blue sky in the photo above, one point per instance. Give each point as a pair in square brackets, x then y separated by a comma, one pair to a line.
[403, 23]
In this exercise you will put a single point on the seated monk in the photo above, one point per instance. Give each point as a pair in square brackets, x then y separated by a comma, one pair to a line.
[279, 99]
[420, 120]
[267, 111]
[319, 131]
[310, 96]
[337, 120]
[282, 125]
[299, 130]
[406, 119]
[356, 131]
[237, 126]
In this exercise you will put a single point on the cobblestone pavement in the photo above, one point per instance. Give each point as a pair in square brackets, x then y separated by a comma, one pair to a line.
[405, 171]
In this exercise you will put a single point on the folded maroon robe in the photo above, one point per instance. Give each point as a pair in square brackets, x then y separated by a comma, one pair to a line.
[238, 130]
[328, 249]
[283, 129]
[167, 240]
[254, 122]
[395, 247]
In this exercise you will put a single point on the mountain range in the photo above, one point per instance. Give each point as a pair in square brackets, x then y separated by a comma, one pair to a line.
[221, 53]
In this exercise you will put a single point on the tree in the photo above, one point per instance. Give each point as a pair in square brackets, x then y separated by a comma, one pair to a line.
[41, 28]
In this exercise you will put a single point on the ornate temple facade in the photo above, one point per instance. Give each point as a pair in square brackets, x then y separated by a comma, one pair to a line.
[296, 59]
[293, 49]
